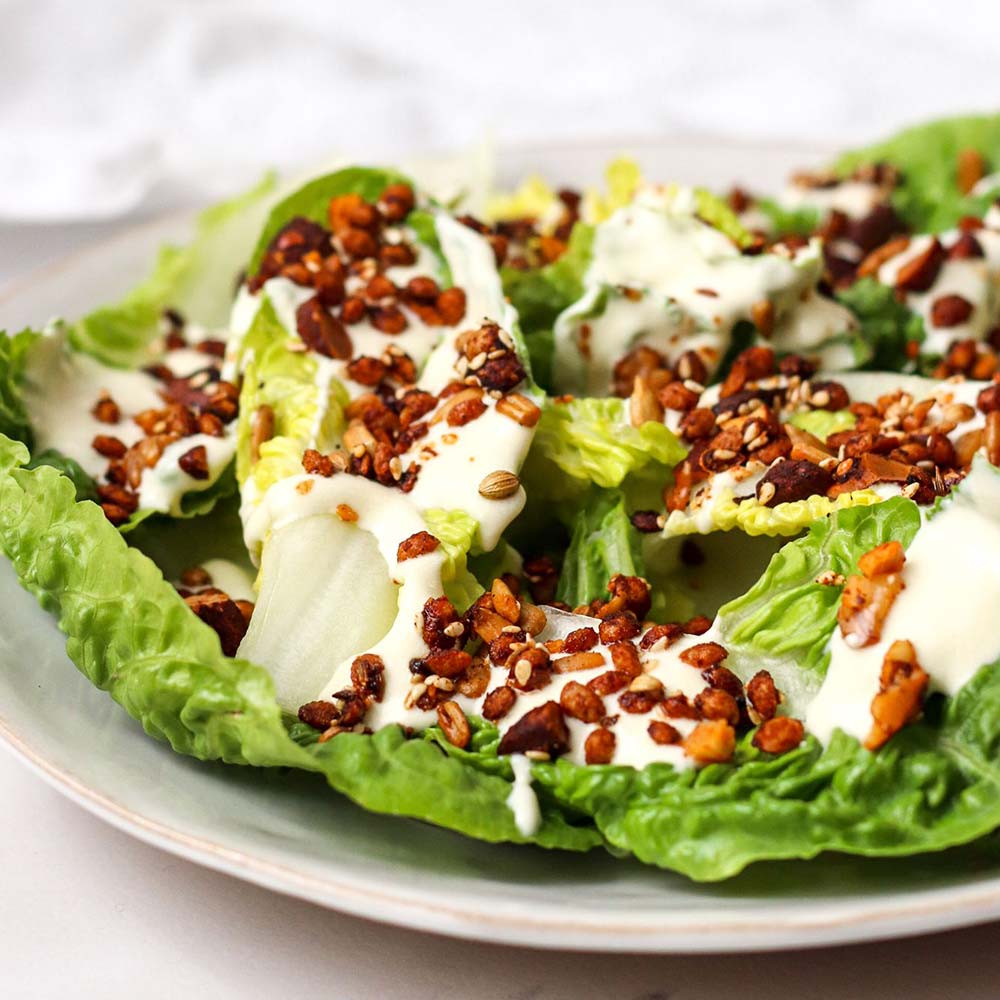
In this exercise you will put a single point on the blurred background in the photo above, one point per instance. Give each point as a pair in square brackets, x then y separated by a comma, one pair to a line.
[113, 108]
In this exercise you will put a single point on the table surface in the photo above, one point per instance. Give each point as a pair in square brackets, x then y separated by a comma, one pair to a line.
[86, 911]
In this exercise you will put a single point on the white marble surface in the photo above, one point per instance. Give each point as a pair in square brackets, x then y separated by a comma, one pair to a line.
[109, 111]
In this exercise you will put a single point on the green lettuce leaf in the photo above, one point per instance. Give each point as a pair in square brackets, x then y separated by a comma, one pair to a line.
[823, 423]
[801, 221]
[199, 280]
[456, 530]
[602, 544]
[312, 200]
[540, 294]
[933, 786]
[928, 197]
[86, 487]
[888, 327]
[130, 634]
[284, 380]
[784, 621]
[14, 350]
[591, 441]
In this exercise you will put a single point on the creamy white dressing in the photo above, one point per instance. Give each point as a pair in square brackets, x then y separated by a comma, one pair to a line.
[164, 486]
[976, 279]
[61, 388]
[230, 577]
[946, 609]
[856, 199]
[455, 460]
[522, 800]
[666, 253]
[391, 518]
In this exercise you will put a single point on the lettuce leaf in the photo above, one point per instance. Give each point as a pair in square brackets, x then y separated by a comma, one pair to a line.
[284, 380]
[602, 544]
[933, 786]
[539, 295]
[130, 634]
[312, 200]
[801, 221]
[14, 350]
[888, 327]
[198, 280]
[785, 620]
[928, 197]
[456, 531]
[591, 441]
[823, 423]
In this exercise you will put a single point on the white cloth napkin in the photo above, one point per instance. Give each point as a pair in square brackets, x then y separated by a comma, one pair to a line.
[109, 107]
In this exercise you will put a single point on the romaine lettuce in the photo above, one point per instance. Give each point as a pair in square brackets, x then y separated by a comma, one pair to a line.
[928, 197]
[199, 280]
[581, 442]
[130, 634]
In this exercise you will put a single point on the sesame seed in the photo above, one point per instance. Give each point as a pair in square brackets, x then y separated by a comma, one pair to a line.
[522, 671]
[454, 629]
[537, 755]
[766, 493]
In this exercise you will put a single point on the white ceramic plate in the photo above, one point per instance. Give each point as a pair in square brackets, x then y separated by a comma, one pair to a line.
[290, 833]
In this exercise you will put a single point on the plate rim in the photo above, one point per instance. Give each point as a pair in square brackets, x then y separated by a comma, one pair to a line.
[936, 909]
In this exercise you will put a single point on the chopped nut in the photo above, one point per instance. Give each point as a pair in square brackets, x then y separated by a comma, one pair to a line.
[599, 746]
[920, 272]
[579, 702]
[543, 728]
[643, 404]
[580, 640]
[711, 742]
[610, 682]
[714, 703]
[704, 655]
[902, 686]
[417, 544]
[763, 697]
[222, 615]
[368, 676]
[762, 314]
[346, 512]
[970, 169]
[195, 462]
[504, 602]
[619, 627]
[319, 714]
[454, 724]
[108, 446]
[262, 430]
[779, 735]
[663, 733]
[871, 265]
[498, 703]
[578, 661]
[950, 310]
[519, 408]
[625, 658]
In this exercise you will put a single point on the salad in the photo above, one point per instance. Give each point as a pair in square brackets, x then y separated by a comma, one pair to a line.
[647, 517]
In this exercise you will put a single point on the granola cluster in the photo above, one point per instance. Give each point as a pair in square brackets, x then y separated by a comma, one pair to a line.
[526, 243]
[198, 403]
[896, 440]
[865, 603]
[386, 427]
[227, 617]
[347, 262]
[493, 657]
